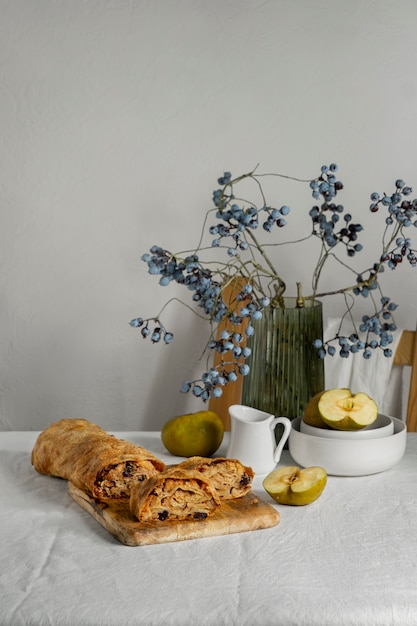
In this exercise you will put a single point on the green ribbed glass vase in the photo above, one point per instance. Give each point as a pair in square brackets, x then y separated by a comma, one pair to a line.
[285, 371]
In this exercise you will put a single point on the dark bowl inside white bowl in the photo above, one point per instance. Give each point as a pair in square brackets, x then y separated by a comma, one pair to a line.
[348, 457]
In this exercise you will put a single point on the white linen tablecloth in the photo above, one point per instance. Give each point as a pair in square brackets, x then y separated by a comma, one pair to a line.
[350, 558]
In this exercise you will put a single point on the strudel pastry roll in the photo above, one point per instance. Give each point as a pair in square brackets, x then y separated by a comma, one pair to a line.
[230, 477]
[95, 461]
[174, 494]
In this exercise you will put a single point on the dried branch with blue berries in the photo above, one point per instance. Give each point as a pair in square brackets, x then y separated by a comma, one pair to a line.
[257, 283]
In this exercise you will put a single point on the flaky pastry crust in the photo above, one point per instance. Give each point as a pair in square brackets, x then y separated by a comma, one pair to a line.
[174, 494]
[230, 477]
[95, 461]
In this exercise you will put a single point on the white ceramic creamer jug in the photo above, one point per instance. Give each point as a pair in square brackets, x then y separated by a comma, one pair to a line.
[252, 438]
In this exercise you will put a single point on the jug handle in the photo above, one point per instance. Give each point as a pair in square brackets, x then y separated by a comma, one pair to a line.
[287, 429]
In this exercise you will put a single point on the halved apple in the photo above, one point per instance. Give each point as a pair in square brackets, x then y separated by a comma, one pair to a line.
[343, 410]
[312, 414]
[295, 486]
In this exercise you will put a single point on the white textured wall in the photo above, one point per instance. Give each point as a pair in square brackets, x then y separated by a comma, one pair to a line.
[117, 116]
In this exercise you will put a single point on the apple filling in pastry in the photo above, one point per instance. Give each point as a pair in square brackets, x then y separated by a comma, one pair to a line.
[229, 477]
[175, 494]
[93, 460]
[116, 481]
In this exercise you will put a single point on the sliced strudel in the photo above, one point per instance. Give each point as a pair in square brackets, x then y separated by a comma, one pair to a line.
[95, 461]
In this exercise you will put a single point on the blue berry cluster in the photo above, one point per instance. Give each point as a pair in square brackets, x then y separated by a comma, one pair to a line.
[326, 218]
[212, 381]
[191, 273]
[237, 219]
[207, 294]
[402, 213]
[156, 333]
[376, 333]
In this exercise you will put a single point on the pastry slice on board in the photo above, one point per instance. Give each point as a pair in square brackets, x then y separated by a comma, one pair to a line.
[174, 494]
[230, 477]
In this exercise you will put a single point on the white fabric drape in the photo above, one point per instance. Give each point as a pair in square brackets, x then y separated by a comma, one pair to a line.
[376, 376]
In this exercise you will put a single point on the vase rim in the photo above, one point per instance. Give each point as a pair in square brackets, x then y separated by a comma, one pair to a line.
[290, 302]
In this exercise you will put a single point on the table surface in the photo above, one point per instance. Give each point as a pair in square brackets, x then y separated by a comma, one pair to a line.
[350, 558]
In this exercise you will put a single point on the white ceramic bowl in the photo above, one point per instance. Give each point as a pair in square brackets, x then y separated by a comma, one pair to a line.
[347, 457]
[382, 427]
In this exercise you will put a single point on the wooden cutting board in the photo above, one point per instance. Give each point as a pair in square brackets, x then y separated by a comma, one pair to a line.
[234, 516]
